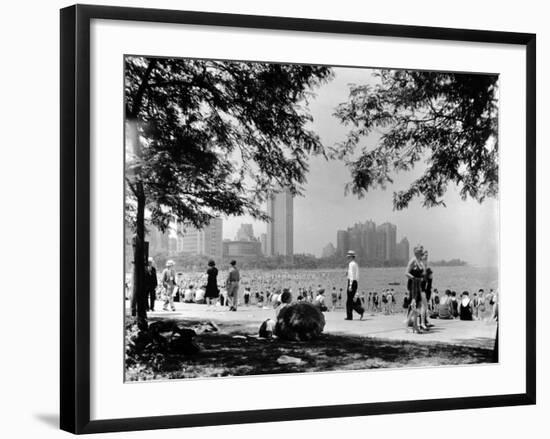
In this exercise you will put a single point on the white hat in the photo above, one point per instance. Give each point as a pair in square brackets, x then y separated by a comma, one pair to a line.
[169, 262]
[351, 253]
[150, 259]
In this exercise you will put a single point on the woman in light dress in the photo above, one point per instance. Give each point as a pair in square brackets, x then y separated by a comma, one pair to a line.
[416, 271]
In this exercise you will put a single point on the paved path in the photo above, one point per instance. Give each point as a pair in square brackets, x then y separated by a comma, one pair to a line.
[392, 327]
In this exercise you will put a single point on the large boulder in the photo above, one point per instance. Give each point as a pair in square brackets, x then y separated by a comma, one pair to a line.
[300, 321]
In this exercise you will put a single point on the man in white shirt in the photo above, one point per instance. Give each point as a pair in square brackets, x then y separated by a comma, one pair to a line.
[353, 278]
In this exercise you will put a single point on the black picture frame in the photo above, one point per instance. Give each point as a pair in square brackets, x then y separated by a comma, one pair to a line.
[75, 217]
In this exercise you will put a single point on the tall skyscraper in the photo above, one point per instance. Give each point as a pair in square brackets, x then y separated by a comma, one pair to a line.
[280, 230]
[403, 251]
[245, 233]
[342, 242]
[158, 241]
[386, 241]
[328, 250]
[263, 240]
[371, 243]
[207, 241]
[355, 241]
[369, 240]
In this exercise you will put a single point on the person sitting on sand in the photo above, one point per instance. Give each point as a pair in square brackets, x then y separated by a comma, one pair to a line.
[319, 300]
[334, 298]
[482, 305]
[454, 304]
[246, 296]
[275, 298]
[445, 309]
[200, 295]
[465, 307]
[189, 295]
[284, 300]
[261, 298]
[435, 305]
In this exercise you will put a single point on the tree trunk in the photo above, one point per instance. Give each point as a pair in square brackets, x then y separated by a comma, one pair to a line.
[139, 298]
[140, 295]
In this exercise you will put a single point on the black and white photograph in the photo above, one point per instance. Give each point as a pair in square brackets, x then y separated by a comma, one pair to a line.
[297, 218]
[267, 220]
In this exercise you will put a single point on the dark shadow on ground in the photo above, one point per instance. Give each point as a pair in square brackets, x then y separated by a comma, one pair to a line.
[223, 354]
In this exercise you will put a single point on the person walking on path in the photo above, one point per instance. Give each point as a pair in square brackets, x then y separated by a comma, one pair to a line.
[353, 278]
[169, 282]
[415, 273]
[233, 279]
[151, 284]
[212, 290]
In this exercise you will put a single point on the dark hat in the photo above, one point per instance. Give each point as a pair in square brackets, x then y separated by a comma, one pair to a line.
[233, 262]
[211, 263]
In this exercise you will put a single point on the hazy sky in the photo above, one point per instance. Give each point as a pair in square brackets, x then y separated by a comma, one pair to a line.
[464, 229]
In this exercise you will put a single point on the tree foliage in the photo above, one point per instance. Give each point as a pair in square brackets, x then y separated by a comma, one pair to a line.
[215, 137]
[206, 137]
[449, 120]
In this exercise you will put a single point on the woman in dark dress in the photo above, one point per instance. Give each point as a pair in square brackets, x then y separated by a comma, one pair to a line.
[427, 289]
[212, 291]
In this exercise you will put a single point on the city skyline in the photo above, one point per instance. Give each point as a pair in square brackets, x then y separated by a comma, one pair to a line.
[377, 241]
[372, 243]
[326, 207]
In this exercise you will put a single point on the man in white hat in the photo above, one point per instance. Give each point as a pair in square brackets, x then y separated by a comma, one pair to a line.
[169, 282]
[353, 278]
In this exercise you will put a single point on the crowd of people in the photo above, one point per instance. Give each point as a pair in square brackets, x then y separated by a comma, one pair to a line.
[421, 304]
[222, 290]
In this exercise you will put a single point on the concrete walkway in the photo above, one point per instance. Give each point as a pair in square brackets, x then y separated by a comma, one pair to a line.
[390, 327]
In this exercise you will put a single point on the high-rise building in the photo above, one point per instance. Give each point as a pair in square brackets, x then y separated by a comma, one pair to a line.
[245, 233]
[342, 242]
[263, 241]
[207, 241]
[158, 241]
[371, 243]
[213, 237]
[172, 245]
[369, 240]
[241, 249]
[280, 229]
[403, 251]
[328, 250]
[355, 241]
[386, 244]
